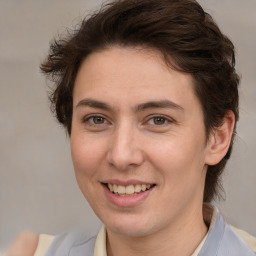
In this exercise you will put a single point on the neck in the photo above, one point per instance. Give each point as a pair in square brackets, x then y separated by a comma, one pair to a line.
[178, 239]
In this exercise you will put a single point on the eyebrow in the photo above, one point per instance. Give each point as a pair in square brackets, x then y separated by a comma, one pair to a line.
[94, 104]
[141, 107]
[158, 104]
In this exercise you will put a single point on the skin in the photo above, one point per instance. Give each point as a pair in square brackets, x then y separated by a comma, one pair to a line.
[117, 134]
[135, 119]
[24, 245]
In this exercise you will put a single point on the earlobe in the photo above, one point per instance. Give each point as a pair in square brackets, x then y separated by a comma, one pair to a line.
[219, 139]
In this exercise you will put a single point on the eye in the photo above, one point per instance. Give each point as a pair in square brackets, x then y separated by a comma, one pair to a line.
[158, 120]
[95, 120]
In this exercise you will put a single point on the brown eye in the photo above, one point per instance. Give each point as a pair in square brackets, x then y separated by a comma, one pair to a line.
[159, 123]
[97, 120]
[159, 120]
[95, 123]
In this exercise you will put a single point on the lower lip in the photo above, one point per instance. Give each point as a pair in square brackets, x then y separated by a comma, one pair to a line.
[127, 201]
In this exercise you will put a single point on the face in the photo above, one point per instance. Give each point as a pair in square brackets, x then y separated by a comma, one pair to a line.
[138, 141]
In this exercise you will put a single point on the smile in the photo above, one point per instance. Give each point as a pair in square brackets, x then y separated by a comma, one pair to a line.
[129, 190]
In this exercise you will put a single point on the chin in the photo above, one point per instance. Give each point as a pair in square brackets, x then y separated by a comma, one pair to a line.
[130, 226]
[129, 231]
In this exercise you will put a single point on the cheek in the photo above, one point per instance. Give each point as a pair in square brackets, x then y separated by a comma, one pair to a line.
[180, 159]
[181, 165]
[87, 159]
[84, 156]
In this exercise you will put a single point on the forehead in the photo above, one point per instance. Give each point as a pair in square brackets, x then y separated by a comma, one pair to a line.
[125, 74]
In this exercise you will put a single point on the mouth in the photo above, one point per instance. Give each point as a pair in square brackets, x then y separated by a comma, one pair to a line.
[129, 190]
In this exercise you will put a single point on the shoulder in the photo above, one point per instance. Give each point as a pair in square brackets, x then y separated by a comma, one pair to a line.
[222, 240]
[72, 243]
[247, 238]
[230, 242]
[233, 244]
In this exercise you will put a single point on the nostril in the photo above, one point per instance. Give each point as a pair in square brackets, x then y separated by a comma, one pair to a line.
[122, 160]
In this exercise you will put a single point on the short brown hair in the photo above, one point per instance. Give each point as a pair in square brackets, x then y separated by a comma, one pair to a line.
[189, 40]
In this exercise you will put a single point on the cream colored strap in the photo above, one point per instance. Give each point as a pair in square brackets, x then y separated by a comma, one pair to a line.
[43, 244]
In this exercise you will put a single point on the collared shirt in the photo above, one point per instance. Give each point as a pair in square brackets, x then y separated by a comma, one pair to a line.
[221, 240]
[209, 217]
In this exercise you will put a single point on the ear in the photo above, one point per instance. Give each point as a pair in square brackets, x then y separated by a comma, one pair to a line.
[219, 140]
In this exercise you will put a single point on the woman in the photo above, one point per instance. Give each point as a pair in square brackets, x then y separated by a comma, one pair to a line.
[148, 93]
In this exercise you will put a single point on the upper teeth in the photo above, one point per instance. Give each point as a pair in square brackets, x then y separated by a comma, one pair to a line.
[129, 190]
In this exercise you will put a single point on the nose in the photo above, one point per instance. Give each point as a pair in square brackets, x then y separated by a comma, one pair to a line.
[125, 151]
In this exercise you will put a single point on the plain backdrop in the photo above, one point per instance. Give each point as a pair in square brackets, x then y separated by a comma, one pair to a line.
[38, 190]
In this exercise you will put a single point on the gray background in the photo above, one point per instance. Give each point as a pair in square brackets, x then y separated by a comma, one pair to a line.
[38, 190]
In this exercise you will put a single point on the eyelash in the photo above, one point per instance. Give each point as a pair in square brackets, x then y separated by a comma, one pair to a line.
[87, 120]
[165, 119]
[161, 117]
